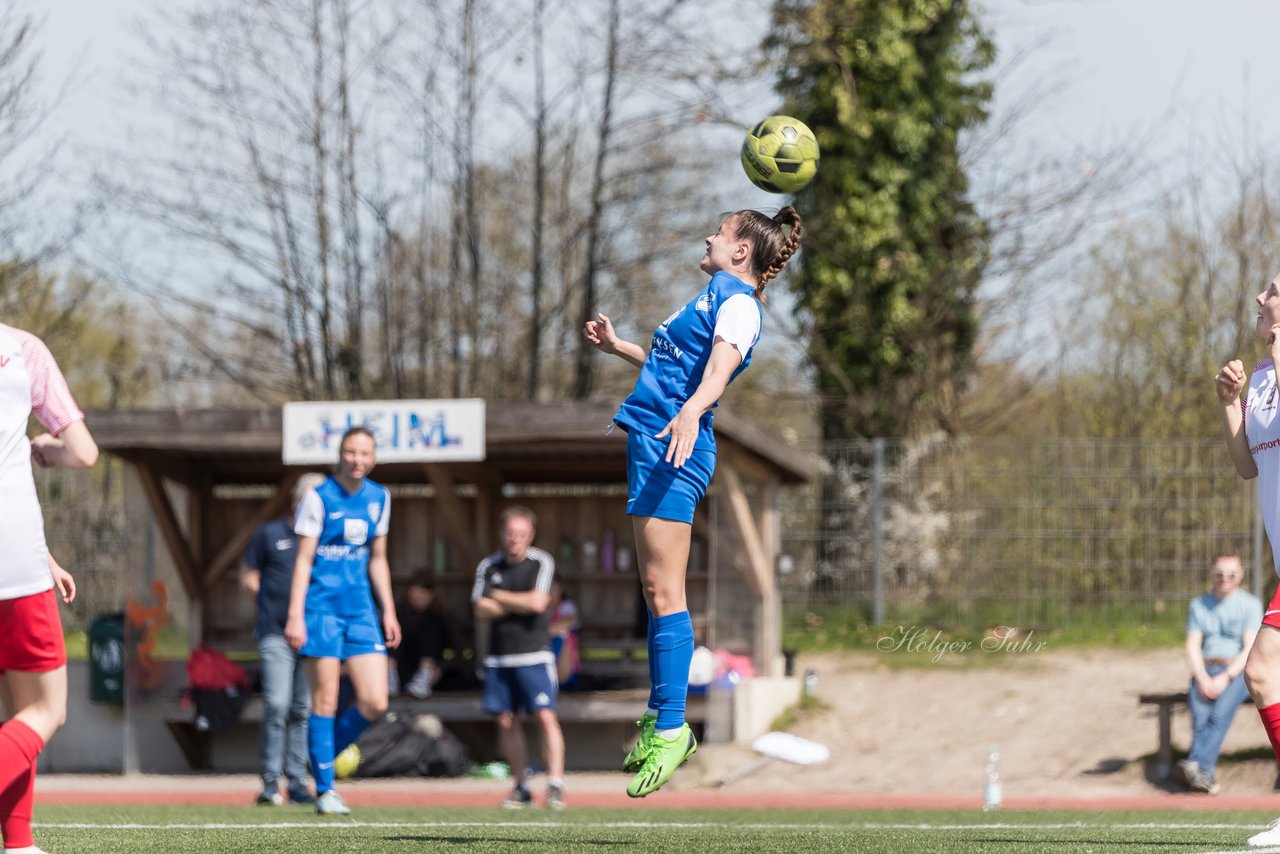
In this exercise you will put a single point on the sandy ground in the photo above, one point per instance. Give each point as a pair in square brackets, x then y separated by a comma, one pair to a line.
[1065, 723]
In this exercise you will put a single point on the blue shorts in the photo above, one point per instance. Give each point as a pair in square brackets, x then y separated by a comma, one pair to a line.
[331, 636]
[529, 688]
[657, 488]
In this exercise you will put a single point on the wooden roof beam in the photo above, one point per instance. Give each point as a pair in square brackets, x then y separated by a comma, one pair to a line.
[170, 530]
[230, 555]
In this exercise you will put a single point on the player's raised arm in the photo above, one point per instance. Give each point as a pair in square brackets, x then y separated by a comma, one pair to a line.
[602, 336]
[1229, 382]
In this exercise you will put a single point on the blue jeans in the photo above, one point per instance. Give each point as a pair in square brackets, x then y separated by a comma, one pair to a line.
[1210, 719]
[286, 705]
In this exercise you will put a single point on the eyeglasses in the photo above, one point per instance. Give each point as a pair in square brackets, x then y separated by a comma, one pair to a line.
[1224, 576]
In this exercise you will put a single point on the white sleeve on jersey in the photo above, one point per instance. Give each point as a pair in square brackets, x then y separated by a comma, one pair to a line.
[309, 520]
[738, 322]
[384, 521]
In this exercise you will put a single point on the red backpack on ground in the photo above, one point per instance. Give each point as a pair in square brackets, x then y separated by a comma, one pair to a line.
[217, 686]
[209, 669]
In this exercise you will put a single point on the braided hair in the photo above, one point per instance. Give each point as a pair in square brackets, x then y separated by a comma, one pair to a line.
[771, 247]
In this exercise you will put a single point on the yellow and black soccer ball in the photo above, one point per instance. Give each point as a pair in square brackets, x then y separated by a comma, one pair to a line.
[780, 154]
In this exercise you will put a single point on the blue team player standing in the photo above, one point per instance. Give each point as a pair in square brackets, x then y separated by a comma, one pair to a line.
[342, 563]
[671, 454]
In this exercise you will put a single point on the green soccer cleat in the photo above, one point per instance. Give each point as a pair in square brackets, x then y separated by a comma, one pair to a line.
[664, 757]
[641, 748]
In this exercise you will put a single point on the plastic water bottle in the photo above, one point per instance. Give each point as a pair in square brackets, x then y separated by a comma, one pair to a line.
[992, 792]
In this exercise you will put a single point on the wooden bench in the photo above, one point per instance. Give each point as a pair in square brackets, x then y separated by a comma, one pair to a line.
[1165, 704]
[584, 707]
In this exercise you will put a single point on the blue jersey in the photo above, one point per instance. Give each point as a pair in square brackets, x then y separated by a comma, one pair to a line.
[678, 357]
[345, 525]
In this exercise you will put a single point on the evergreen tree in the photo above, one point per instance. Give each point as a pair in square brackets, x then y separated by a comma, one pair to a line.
[894, 249]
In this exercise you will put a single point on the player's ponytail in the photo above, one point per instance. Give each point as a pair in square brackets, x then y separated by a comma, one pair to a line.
[771, 246]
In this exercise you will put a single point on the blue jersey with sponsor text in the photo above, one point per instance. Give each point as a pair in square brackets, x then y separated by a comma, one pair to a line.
[678, 356]
[346, 530]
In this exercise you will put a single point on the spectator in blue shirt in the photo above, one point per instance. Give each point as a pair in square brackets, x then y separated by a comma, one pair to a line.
[267, 571]
[1221, 626]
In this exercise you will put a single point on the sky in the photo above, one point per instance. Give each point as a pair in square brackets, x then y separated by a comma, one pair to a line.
[1189, 78]
[1124, 64]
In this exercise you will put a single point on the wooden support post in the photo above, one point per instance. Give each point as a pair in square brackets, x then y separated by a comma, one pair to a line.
[455, 527]
[744, 523]
[769, 627]
[167, 520]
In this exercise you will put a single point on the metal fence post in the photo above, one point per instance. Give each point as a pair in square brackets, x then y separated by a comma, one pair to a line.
[877, 531]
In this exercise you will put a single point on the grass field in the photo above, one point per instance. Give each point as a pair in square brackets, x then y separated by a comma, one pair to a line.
[159, 830]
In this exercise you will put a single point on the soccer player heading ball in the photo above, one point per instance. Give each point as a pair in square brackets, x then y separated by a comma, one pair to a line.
[671, 453]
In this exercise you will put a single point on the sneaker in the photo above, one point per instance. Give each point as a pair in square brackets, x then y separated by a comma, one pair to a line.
[520, 798]
[1270, 836]
[330, 803]
[555, 798]
[420, 685]
[664, 757]
[1184, 771]
[301, 796]
[30, 849]
[641, 748]
[269, 799]
[1203, 781]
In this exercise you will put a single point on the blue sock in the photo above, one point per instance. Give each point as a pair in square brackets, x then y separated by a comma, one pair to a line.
[320, 748]
[348, 729]
[673, 650]
[653, 667]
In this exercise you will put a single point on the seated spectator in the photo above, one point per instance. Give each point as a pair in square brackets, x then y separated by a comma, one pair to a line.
[564, 628]
[427, 639]
[1221, 627]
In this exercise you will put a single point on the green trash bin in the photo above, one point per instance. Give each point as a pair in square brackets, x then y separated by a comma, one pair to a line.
[106, 659]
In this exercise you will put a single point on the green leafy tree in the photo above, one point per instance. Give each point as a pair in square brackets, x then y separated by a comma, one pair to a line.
[895, 250]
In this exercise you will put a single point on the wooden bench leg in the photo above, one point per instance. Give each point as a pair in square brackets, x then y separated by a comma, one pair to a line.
[1164, 756]
[195, 745]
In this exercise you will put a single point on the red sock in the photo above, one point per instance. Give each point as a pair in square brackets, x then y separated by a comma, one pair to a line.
[19, 746]
[15, 811]
[1271, 723]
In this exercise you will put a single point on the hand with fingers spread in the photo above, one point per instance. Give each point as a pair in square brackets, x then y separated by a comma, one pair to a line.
[683, 430]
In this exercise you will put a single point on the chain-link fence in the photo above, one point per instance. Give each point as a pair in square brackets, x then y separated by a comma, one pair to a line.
[87, 526]
[959, 532]
[1024, 532]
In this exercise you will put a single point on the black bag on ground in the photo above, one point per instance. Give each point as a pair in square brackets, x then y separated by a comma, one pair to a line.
[394, 747]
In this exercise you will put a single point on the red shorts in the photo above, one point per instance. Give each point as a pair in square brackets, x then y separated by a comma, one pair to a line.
[31, 634]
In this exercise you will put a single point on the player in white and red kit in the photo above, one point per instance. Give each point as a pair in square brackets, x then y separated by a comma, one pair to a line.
[33, 661]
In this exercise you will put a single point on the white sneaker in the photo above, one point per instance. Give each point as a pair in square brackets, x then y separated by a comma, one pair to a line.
[30, 849]
[330, 803]
[420, 685]
[1270, 836]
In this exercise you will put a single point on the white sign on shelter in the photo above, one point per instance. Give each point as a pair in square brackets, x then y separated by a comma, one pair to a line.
[407, 431]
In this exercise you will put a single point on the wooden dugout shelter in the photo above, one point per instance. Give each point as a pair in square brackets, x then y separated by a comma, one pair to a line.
[211, 476]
